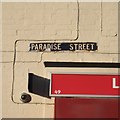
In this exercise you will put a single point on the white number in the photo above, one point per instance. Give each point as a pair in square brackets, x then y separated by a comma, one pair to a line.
[57, 91]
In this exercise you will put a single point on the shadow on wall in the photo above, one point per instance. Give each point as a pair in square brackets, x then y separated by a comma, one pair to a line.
[38, 85]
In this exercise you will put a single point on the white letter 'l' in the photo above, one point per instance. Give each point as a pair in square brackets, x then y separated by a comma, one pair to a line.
[114, 83]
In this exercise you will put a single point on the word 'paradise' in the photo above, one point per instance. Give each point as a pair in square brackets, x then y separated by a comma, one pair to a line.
[88, 46]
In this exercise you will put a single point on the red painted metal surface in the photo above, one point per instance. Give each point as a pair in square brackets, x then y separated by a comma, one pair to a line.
[84, 84]
[87, 108]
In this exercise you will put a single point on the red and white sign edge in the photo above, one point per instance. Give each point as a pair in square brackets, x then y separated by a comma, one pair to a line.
[78, 95]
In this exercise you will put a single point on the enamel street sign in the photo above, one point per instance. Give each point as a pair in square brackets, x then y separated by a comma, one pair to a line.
[84, 85]
[76, 46]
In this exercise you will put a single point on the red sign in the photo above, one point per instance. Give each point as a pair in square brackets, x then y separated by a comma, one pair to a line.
[86, 85]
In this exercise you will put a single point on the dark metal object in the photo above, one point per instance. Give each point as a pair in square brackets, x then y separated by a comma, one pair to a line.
[38, 85]
[25, 98]
[82, 64]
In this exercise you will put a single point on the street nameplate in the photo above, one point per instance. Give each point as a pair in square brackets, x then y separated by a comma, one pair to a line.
[76, 46]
